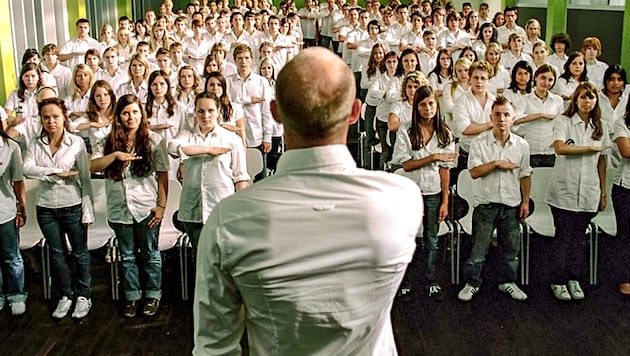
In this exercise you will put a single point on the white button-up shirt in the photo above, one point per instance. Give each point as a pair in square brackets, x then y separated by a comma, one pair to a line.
[575, 182]
[10, 171]
[501, 186]
[28, 106]
[427, 178]
[383, 92]
[306, 252]
[133, 197]
[539, 133]
[208, 179]
[53, 191]
[127, 88]
[622, 175]
[78, 45]
[468, 110]
[258, 120]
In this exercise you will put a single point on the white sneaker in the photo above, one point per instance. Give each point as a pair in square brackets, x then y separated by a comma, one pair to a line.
[560, 291]
[82, 307]
[17, 308]
[513, 290]
[575, 290]
[63, 307]
[466, 294]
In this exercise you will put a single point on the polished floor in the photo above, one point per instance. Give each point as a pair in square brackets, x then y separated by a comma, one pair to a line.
[492, 324]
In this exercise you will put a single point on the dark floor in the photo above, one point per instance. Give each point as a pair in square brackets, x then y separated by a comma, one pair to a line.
[492, 324]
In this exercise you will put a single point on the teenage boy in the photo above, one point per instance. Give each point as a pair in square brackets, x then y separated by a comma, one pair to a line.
[499, 165]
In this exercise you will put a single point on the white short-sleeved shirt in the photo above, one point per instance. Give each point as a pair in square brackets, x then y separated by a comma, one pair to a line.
[500, 80]
[622, 175]
[384, 92]
[575, 182]
[596, 73]
[503, 33]
[53, 191]
[209, 179]
[403, 110]
[160, 116]
[501, 186]
[508, 60]
[127, 88]
[78, 45]
[28, 106]
[133, 197]
[448, 39]
[63, 76]
[467, 111]
[539, 133]
[428, 62]
[426, 178]
[10, 171]
[517, 99]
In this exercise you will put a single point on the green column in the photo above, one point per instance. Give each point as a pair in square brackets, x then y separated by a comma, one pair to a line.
[7, 58]
[556, 18]
[508, 3]
[124, 8]
[76, 10]
[625, 39]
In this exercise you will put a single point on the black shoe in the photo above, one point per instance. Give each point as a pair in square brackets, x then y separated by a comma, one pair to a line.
[151, 306]
[435, 292]
[130, 309]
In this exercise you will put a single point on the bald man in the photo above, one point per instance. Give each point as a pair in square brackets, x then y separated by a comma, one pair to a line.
[309, 259]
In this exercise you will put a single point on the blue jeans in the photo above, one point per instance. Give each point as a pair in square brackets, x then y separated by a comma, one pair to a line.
[430, 227]
[487, 217]
[134, 237]
[57, 225]
[12, 264]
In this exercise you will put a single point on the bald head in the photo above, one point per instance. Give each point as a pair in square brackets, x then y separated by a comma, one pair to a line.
[315, 95]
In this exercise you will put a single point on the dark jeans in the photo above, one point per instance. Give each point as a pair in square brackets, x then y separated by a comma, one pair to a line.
[277, 148]
[621, 204]
[309, 42]
[324, 41]
[370, 134]
[131, 239]
[12, 264]
[193, 230]
[542, 160]
[335, 45]
[386, 150]
[357, 81]
[487, 217]
[430, 228]
[263, 173]
[57, 225]
[570, 244]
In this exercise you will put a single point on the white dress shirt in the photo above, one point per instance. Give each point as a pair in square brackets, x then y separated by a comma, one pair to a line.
[467, 111]
[133, 197]
[10, 171]
[258, 120]
[208, 178]
[426, 178]
[384, 92]
[539, 133]
[305, 251]
[63, 77]
[574, 185]
[128, 88]
[28, 106]
[53, 191]
[501, 186]
[78, 45]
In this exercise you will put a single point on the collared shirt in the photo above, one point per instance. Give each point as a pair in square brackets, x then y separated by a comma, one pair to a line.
[160, 116]
[467, 111]
[610, 115]
[63, 76]
[53, 191]
[622, 174]
[197, 52]
[116, 80]
[363, 51]
[500, 80]
[133, 197]
[258, 120]
[10, 171]
[306, 252]
[427, 178]
[503, 33]
[575, 182]
[508, 60]
[28, 106]
[596, 73]
[128, 88]
[402, 109]
[428, 62]
[448, 39]
[539, 133]
[555, 60]
[501, 186]
[209, 178]
[384, 92]
[78, 45]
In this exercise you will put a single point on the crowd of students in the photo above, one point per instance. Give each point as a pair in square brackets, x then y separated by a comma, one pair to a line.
[181, 95]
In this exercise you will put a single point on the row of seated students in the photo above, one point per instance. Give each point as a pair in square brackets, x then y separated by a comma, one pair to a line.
[97, 123]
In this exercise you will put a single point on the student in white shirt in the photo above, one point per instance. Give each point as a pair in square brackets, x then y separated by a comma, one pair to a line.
[21, 103]
[135, 164]
[188, 86]
[532, 28]
[12, 217]
[454, 39]
[592, 48]
[32, 56]
[621, 197]
[515, 53]
[371, 73]
[60, 162]
[93, 61]
[536, 123]
[498, 158]
[114, 74]
[125, 47]
[577, 189]
[540, 56]
[455, 88]
[100, 113]
[73, 51]
[426, 151]
[487, 35]
[165, 115]
[520, 86]
[400, 112]
[441, 74]
[214, 165]
[500, 78]
[137, 80]
[510, 14]
[233, 116]
[574, 73]
[560, 43]
[107, 38]
[61, 73]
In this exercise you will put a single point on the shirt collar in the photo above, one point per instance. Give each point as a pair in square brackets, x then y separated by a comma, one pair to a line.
[490, 139]
[314, 157]
[576, 120]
